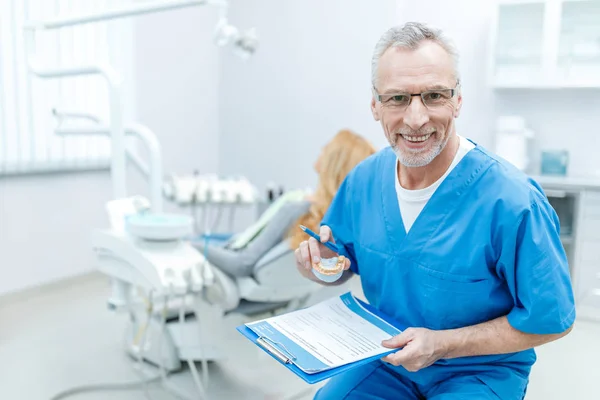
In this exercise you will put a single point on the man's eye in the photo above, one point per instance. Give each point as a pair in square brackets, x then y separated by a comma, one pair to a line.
[399, 98]
[437, 97]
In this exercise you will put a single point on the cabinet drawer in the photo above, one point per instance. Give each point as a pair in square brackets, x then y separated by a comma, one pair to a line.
[590, 230]
[590, 253]
[587, 278]
[591, 205]
[591, 210]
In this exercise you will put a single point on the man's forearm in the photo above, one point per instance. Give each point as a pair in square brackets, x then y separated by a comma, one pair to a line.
[493, 337]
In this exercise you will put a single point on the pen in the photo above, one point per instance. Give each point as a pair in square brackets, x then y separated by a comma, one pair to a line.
[329, 245]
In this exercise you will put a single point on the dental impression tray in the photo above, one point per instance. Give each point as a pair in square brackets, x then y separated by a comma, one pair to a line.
[329, 269]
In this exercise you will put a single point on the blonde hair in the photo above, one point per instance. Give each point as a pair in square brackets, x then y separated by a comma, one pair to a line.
[344, 152]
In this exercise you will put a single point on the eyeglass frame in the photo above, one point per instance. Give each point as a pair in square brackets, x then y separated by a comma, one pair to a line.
[453, 92]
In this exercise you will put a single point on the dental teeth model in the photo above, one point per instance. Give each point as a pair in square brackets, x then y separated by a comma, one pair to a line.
[329, 269]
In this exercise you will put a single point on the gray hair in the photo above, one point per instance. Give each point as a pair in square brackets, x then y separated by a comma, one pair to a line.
[410, 36]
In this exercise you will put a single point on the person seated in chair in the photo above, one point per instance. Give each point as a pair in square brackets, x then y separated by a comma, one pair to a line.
[454, 243]
[281, 220]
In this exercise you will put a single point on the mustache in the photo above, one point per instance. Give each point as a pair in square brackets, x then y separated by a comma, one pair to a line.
[419, 132]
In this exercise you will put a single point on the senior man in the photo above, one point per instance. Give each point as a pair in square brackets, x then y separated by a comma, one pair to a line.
[450, 240]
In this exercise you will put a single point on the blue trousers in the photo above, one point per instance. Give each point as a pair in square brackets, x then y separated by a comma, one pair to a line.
[375, 381]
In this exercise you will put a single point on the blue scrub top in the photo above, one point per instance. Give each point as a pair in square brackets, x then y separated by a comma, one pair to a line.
[486, 245]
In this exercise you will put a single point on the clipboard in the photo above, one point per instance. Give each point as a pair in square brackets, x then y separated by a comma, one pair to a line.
[285, 358]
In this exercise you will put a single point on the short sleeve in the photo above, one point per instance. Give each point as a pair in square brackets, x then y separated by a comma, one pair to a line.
[535, 266]
[339, 218]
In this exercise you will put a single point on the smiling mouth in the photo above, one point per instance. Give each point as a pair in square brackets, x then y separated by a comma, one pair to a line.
[416, 138]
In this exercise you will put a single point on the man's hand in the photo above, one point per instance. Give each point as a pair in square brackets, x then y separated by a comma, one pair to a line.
[420, 348]
[310, 252]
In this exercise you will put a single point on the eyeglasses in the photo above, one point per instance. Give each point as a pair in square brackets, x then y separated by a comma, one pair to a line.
[432, 99]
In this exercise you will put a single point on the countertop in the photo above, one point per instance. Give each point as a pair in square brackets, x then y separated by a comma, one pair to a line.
[568, 182]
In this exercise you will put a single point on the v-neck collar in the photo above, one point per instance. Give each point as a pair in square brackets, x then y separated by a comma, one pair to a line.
[443, 200]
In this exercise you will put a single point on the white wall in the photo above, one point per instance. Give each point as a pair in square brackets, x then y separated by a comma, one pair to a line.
[45, 226]
[309, 78]
[562, 120]
[46, 220]
[177, 86]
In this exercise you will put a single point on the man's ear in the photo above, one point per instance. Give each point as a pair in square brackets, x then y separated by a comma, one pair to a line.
[458, 105]
[374, 109]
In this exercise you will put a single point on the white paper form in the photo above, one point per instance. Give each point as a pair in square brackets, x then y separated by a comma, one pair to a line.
[332, 333]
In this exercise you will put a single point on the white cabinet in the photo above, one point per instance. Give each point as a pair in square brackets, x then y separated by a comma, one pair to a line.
[577, 203]
[587, 260]
[578, 59]
[545, 44]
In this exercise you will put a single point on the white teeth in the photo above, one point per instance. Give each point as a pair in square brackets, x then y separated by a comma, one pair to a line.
[416, 138]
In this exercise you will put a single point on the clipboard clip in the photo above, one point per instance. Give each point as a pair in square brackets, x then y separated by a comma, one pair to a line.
[275, 348]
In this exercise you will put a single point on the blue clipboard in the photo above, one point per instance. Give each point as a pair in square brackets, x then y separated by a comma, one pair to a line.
[320, 376]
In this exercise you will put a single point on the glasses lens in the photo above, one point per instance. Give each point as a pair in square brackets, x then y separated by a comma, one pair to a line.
[436, 98]
[399, 100]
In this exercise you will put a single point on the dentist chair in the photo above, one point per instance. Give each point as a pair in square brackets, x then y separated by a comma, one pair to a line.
[274, 282]
[184, 325]
[274, 285]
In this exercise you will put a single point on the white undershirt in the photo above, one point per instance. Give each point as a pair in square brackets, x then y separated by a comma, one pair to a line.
[411, 202]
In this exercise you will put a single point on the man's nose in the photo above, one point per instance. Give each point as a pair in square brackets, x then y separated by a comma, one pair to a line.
[416, 114]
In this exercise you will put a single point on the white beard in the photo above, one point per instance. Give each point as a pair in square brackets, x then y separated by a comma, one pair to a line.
[417, 158]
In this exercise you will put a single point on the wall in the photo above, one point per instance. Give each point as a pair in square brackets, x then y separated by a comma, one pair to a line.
[45, 225]
[563, 119]
[177, 85]
[309, 78]
[46, 220]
